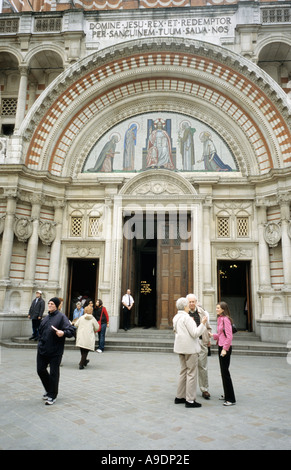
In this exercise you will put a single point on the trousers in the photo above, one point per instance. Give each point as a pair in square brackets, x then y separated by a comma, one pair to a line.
[224, 363]
[187, 383]
[50, 380]
[202, 368]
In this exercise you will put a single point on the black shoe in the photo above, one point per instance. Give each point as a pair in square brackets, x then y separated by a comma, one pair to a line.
[32, 337]
[81, 367]
[192, 405]
[180, 400]
[86, 362]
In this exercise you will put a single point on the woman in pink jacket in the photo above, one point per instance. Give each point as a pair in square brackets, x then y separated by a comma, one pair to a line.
[224, 340]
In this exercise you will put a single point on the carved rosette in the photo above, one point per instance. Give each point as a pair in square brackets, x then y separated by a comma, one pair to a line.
[272, 234]
[22, 228]
[47, 232]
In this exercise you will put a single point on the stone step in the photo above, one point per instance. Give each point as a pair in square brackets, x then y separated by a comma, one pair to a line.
[153, 340]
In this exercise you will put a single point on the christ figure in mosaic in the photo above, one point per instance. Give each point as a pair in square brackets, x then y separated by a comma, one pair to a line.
[159, 153]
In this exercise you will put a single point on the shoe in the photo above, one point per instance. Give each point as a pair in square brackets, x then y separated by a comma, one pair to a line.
[99, 350]
[86, 362]
[45, 396]
[206, 395]
[50, 401]
[228, 403]
[81, 367]
[180, 400]
[32, 337]
[192, 405]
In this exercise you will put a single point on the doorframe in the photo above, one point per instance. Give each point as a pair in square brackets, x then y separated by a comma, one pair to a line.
[70, 268]
[248, 288]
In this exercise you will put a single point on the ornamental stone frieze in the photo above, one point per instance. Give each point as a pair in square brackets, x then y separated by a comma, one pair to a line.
[47, 232]
[272, 234]
[83, 251]
[233, 253]
[22, 228]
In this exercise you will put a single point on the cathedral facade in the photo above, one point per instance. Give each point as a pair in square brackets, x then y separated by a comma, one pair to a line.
[146, 145]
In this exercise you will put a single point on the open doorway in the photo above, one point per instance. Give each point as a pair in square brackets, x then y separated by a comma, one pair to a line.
[82, 281]
[147, 285]
[234, 288]
[155, 268]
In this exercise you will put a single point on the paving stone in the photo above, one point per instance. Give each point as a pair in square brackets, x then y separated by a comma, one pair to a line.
[125, 401]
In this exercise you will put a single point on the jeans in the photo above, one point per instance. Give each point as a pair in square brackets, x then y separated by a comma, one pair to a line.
[101, 336]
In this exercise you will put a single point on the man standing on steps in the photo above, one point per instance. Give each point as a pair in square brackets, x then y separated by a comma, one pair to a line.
[35, 313]
[197, 313]
[127, 302]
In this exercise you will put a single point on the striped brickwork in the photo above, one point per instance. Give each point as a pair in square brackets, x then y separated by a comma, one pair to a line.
[229, 104]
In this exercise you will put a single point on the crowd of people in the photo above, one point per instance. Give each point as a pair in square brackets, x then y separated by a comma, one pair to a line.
[192, 342]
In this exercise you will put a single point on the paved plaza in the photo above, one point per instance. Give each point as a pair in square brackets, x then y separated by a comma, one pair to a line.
[125, 401]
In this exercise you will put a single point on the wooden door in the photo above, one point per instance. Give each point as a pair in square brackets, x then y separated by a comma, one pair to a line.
[174, 274]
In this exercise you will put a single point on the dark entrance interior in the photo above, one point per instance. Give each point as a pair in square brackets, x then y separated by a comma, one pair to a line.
[234, 288]
[147, 282]
[156, 268]
[82, 280]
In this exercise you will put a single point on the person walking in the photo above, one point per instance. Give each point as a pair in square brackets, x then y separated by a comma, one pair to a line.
[224, 340]
[78, 312]
[35, 313]
[197, 313]
[53, 330]
[127, 302]
[100, 313]
[186, 344]
[87, 327]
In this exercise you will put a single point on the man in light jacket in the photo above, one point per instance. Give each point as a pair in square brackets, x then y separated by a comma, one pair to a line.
[187, 346]
[197, 313]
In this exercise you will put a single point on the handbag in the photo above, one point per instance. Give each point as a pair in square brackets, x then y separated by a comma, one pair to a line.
[99, 321]
[234, 329]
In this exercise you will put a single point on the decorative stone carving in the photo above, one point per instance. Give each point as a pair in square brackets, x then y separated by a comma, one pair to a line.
[3, 145]
[83, 251]
[2, 222]
[272, 234]
[47, 232]
[23, 228]
[233, 252]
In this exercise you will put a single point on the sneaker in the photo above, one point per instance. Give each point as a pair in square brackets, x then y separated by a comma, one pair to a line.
[228, 403]
[50, 401]
[99, 350]
[45, 396]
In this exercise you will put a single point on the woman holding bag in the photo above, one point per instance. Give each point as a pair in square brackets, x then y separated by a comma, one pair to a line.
[224, 340]
[87, 327]
[102, 317]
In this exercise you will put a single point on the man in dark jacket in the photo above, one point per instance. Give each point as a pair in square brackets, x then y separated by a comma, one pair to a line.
[35, 313]
[53, 330]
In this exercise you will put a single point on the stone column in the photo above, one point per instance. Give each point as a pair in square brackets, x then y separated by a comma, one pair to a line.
[208, 290]
[286, 242]
[31, 254]
[108, 240]
[54, 269]
[7, 243]
[22, 92]
[264, 260]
